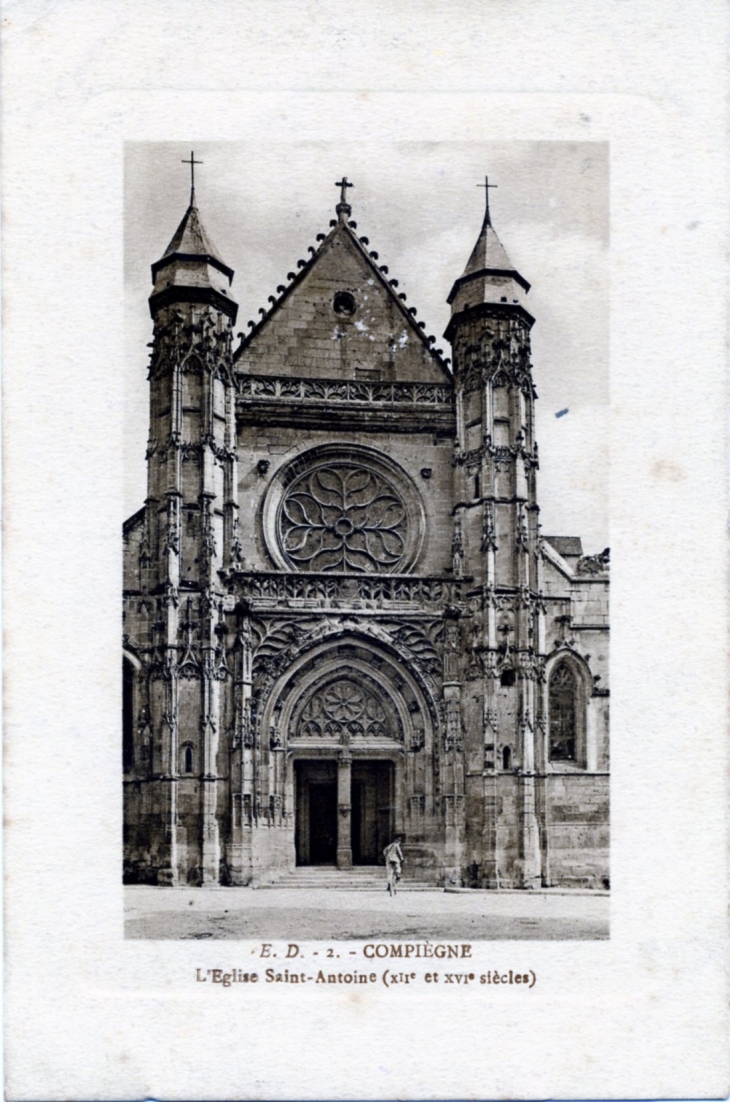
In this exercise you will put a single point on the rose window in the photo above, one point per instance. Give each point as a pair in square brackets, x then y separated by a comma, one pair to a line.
[346, 517]
[343, 701]
[343, 708]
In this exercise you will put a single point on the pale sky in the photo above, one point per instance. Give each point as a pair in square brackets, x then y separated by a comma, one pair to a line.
[263, 203]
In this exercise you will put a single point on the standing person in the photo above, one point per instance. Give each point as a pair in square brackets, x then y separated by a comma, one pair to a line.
[393, 862]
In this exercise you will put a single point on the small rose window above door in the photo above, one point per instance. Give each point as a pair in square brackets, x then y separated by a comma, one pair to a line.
[345, 708]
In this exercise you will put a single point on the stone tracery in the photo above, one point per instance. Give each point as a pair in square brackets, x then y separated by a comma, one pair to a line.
[352, 667]
[344, 707]
[343, 517]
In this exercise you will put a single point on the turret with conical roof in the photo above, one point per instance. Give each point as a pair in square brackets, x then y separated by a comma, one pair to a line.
[496, 526]
[190, 535]
[190, 269]
[489, 278]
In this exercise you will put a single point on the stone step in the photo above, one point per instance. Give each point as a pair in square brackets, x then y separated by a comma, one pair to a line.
[359, 878]
[351, 886]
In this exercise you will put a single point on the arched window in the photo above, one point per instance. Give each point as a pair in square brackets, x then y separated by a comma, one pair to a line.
[563, 696]
[187, 758]
[506, 758]
[127, 715]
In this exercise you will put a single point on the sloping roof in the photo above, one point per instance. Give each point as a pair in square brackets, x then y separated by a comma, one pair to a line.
[191, 240]
[133, 522]
[489, 252]
[294, 279]
[488, 259]
[567, 546]
[191, 237]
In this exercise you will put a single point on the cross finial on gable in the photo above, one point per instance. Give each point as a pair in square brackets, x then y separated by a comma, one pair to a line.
[343, 208]
[343, 185]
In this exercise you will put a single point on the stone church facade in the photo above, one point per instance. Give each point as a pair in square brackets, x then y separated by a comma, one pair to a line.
[341, 618]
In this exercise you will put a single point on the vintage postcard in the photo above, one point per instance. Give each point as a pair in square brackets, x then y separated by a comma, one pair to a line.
[365, 566]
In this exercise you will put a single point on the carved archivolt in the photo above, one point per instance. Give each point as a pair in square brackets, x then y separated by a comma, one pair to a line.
[344, 688]
[370, 704]
[280, 641]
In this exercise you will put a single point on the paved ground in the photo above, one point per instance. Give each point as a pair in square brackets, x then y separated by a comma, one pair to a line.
[332, 915]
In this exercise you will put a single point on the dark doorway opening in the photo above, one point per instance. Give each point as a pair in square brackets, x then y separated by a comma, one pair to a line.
[322, 824]
[372, 811]
[316, 825]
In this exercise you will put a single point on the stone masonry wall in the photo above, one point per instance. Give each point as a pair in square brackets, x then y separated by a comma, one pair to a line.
[306, 336]
[277, 446]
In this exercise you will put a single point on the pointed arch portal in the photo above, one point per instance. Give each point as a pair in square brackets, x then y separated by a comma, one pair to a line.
[352, 720]
[345, 735]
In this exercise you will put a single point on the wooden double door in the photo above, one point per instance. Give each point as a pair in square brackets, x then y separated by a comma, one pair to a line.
[370, 821]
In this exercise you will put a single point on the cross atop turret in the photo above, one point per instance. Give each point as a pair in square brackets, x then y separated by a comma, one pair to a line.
[486, 185]
[490, 277]
[192, 162]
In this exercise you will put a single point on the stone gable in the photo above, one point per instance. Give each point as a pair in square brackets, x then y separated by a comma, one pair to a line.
[341, 320]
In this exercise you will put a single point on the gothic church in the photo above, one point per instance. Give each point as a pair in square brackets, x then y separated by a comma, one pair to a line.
[341, 618]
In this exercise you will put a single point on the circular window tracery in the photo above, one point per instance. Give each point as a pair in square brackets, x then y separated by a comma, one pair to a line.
[343, 517]
[344, 708]
[343, 508]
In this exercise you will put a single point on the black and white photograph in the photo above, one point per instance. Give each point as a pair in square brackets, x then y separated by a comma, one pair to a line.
[365, 651]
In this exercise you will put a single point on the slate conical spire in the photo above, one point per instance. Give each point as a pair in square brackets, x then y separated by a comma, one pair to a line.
[191, 239]
[191, 267]
[489, 275]
[488, 253]
[191, 242]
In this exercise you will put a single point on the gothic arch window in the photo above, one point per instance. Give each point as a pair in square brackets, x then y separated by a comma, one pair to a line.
[338, 509]
[564, 698]
[506, 758]
[219, 397]
[187, 762]
[501, 408]
[501, 398]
